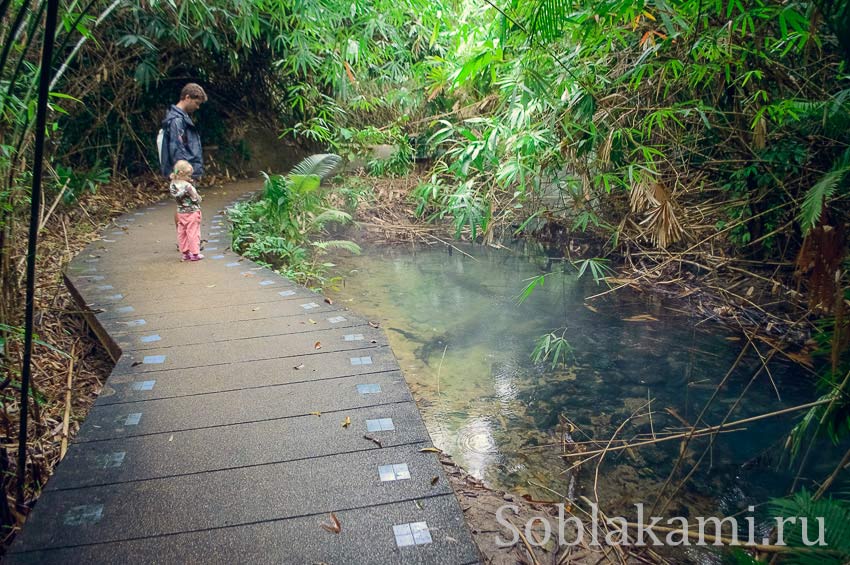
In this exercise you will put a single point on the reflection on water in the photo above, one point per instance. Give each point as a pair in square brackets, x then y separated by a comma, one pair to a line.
[465, 346]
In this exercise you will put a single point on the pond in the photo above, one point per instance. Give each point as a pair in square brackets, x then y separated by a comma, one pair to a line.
[465, 344]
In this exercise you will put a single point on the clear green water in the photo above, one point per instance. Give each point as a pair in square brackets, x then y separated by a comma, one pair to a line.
[464, 345]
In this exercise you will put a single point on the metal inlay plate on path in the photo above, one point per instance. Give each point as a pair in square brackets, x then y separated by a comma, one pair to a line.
[414, 533]
[380, 425]
[369, 388]
[82, 515]
[110, 460]
[395, 472]
[133, 419]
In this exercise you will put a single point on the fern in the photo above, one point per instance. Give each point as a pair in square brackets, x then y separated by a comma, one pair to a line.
[822, 191]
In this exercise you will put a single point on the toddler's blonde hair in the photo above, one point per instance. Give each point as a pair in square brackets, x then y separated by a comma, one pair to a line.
[182, 169]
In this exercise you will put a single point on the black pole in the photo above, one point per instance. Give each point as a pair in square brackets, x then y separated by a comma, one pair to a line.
[35, 205]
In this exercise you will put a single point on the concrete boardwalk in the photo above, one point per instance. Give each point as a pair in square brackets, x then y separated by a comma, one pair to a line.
[205, 445]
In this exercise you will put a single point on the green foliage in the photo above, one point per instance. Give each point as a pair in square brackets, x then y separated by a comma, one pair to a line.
[821, 192]
[16, 333]
[552, 347]
[835, 515]
[831, 419]
[359, 144]
[533, 283]
[74, 183]
[278, 229]
[599, 268]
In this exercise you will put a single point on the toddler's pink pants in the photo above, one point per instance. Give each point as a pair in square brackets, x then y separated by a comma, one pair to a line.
[189, 232]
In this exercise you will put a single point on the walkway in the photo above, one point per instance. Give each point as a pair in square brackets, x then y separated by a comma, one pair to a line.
[243, 411]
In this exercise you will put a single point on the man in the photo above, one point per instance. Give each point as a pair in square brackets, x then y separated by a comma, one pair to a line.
[181, 138]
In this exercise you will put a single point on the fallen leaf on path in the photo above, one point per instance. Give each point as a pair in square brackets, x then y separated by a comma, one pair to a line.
[311, 320]
[377, 441]
[375, 324]
[347, 422]
[210, 286]
[429, 450]
[434, 480]
[317, 345]
[171, 438]
[591, 308]
[255, 309]
[136, 363]
[329, 301]
[298, 367]
[319, 414]
[334, 527]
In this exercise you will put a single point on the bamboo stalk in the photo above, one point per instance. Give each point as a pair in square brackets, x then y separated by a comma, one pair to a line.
[703, 431]
[66, 421]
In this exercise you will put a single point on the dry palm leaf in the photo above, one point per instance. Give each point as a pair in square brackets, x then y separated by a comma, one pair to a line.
[642, 197]
[661, 221]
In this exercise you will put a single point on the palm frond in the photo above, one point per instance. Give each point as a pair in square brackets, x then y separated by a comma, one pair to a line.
[303, 184]
[663, 225]
[322, 164]
[835, 515]
[821, 191]
[332, 215]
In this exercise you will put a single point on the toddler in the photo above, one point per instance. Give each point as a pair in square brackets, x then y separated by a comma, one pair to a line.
[188, 211]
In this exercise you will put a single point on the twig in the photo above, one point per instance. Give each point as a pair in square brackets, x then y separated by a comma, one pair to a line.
[452, 246]
[67, 419]
[528, 547]
[440, 368]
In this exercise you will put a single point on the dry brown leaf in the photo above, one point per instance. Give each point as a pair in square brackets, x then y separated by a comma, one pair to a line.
[311, 320]
[375, 324]
[334, 527]
[429, 450]
[298, 367]
[317, 345]
[329, 301]
[434, 480]
[591, 308]
[347, 422]
[319, 414]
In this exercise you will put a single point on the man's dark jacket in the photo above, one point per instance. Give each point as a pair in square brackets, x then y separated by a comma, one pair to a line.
[182, 141]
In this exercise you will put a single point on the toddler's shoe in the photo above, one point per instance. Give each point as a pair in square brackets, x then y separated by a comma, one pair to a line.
[196, 257]
[187, 256]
